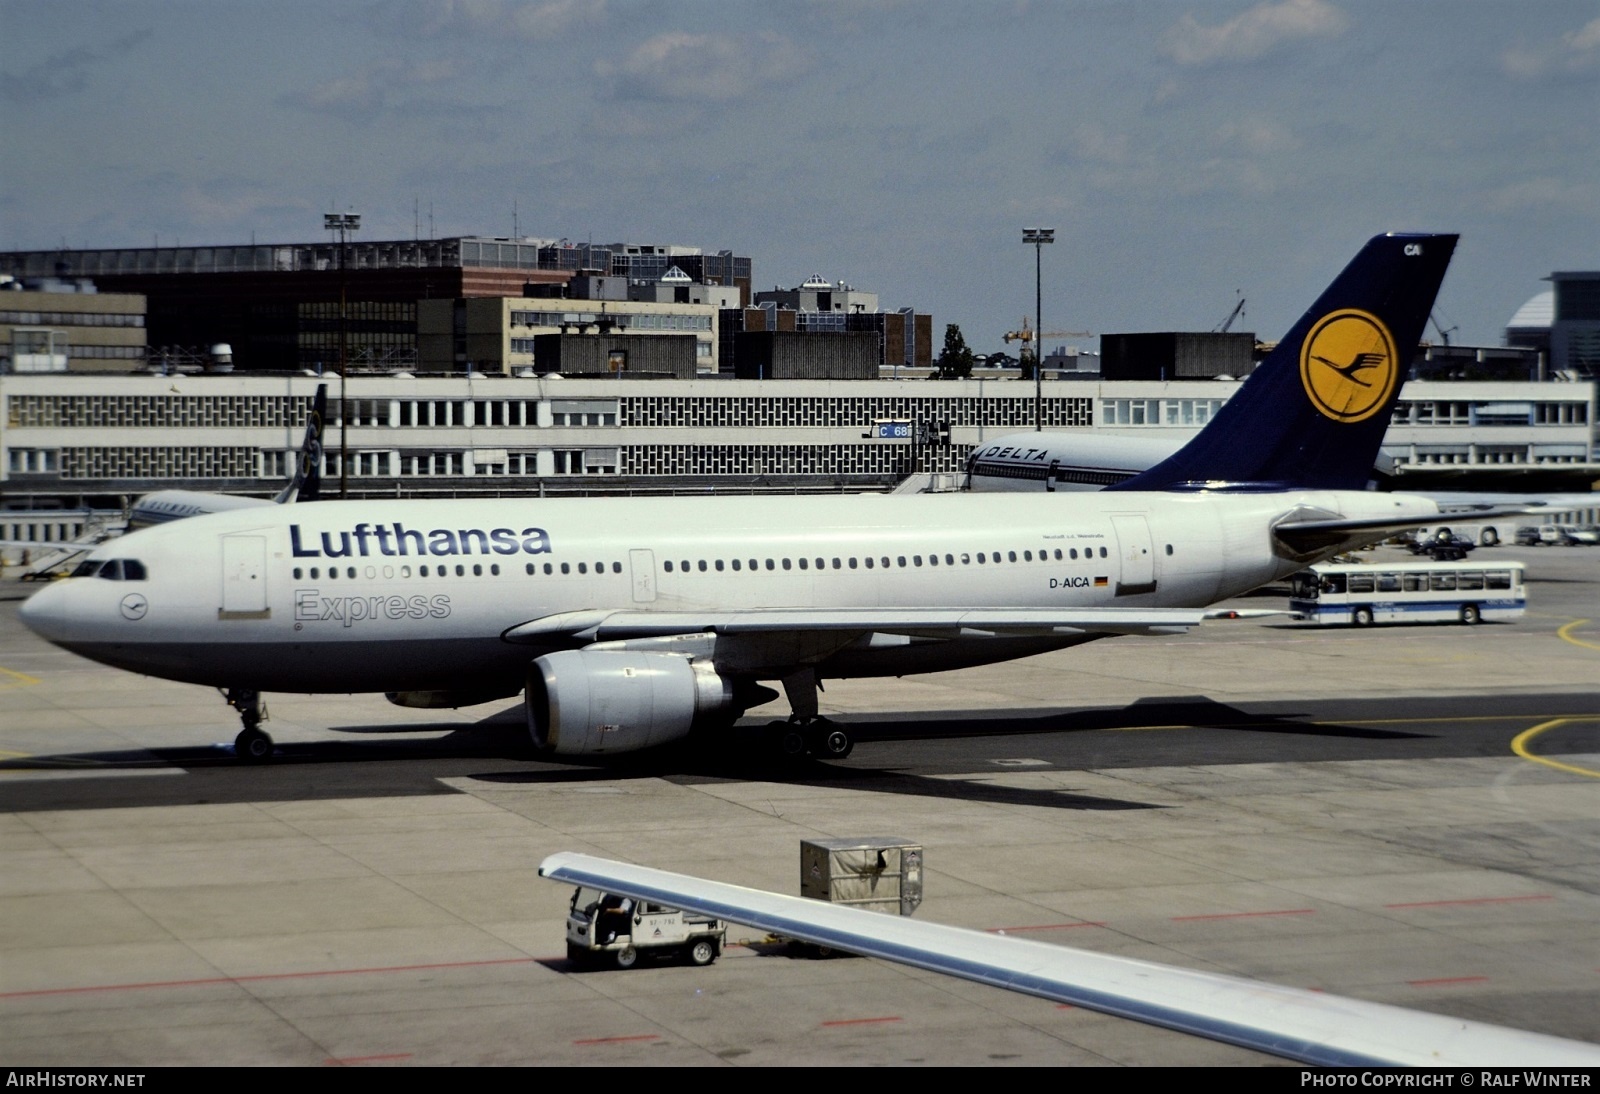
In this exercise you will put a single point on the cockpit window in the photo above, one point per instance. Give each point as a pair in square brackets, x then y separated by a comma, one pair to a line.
[115, 569]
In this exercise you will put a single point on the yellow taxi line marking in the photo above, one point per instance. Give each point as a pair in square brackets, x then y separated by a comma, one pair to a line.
[1353, 722]
[1519, 745]
[12, 679]
[1564, 633]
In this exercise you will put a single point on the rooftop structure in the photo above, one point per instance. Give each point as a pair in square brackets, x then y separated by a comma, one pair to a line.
[325, 305]
[53, 325]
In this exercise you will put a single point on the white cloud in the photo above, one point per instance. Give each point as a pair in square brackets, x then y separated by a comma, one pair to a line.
[1543, 194]
[533, 20]
[677, 66]
[1257, 137]
[68, 72]
[1576, 51]
[1251, 33]
[370, 89]
[1093, 144]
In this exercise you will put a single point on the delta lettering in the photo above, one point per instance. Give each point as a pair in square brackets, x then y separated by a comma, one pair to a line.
[997, 453]
[397, 541]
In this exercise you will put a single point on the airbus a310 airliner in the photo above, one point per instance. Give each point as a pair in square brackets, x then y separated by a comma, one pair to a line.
[629, 622]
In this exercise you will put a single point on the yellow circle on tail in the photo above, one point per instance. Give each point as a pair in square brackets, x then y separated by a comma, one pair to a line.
[1349, 366]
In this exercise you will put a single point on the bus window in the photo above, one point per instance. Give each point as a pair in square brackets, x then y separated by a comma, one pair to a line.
[1388, 583]
[1414, 583]
[1442, 582]
[1469, 581]
[1497, 579]
[1361, 583]
[1333, 583]
[1303, 585]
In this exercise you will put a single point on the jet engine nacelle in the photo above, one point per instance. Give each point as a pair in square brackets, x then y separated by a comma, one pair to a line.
[584, 702]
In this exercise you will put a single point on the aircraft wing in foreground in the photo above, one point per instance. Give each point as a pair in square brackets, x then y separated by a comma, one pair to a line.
[1312, 1027]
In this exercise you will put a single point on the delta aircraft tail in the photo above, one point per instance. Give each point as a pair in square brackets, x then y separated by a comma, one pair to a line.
[1313, 415]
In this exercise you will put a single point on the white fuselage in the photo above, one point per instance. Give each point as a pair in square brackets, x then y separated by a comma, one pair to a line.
[397, 595]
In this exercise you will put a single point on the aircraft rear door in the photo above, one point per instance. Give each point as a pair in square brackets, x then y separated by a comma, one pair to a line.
[643, 564]
[244, 578]
[1138, 571]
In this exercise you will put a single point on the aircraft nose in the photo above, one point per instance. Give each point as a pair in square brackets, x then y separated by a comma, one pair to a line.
[45, 612]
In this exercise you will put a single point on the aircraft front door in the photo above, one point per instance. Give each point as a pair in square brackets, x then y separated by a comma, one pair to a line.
[1138, 572]
[643, 564]
[244, 578]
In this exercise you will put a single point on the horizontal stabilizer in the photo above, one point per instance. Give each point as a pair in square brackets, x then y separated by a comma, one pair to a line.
[1302, 538]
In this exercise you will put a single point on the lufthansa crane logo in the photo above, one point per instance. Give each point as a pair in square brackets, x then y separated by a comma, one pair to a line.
[1349, 366]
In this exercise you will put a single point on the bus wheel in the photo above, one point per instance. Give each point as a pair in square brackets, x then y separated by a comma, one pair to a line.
[1489, 537]
[1470, 614]
[1361, 617]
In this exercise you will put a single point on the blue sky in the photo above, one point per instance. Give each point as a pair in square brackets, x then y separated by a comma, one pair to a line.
[1184, 152]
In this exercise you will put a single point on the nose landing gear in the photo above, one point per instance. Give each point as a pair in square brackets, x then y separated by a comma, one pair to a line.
[252, 745]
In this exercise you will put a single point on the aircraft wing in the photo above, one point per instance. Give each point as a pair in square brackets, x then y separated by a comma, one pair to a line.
[609, 625]
[1308, 1026]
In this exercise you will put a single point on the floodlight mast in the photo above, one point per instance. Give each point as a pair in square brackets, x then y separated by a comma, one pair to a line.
[342, 223]
[1038, 237]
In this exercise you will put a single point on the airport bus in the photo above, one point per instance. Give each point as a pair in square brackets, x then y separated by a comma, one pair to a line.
[1409, 592]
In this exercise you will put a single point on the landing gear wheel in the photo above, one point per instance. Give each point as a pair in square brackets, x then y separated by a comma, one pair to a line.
[791, 742]
[701, 952]
[1470, 614]
[626, 958]
[830, 742]
[252, 746]
[1361, 617]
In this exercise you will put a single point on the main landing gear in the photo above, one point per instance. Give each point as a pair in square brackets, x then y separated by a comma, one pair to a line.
[808, 733]
[252, 745]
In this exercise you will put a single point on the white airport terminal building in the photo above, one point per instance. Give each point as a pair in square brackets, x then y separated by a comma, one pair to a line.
[70, 442]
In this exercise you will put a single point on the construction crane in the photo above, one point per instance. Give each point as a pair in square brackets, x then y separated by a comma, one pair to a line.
[1238, 310]
[1026, 334]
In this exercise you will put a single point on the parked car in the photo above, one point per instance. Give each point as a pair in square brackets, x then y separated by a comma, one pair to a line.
[1563, 535]
[1528, 536]
[1444, 546]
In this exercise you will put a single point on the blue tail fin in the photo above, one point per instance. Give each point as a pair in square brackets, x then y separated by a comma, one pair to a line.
[307, 481]
[1314, 413]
